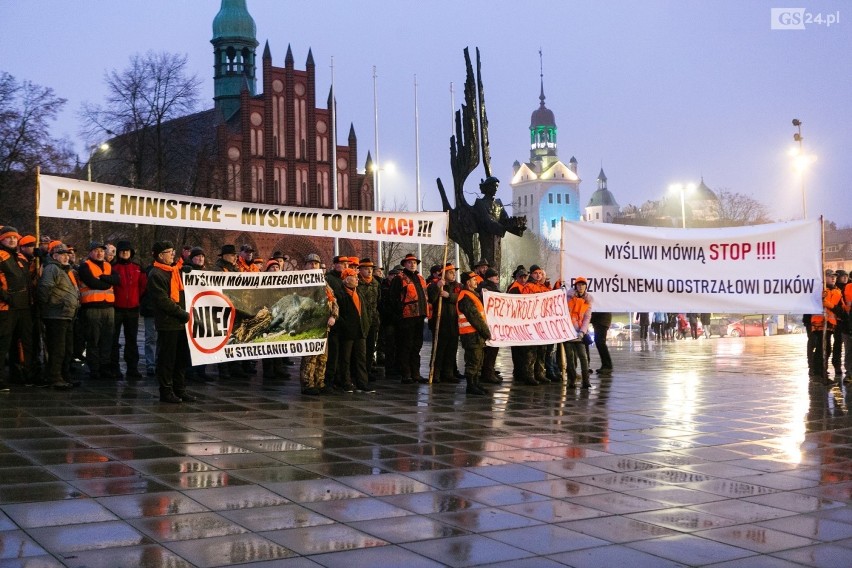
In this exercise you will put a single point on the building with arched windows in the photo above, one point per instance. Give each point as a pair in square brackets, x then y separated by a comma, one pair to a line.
[545, 189]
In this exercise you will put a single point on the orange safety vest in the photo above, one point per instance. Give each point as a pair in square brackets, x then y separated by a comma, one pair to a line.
[830, 299]
[515, 285]
[464, 325]
[410, 299]
[578, 308]
[88, 295]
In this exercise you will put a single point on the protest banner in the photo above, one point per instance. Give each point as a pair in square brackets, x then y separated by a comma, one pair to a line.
[234, 316]
[527, 319]
[770, 269]
[75, 199]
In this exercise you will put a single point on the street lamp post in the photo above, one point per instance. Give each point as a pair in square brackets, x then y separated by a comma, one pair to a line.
[682, 189]
[801, 161]
[92, 151]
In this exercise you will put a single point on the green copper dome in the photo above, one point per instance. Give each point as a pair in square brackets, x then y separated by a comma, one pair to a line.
[234, 21]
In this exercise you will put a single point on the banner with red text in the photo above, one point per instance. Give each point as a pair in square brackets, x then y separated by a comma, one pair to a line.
[74, 199]
[770, 269]
[527, 319]
[237, 316]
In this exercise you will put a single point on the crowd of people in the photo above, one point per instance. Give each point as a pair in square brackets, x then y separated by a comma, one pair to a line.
[62, 320]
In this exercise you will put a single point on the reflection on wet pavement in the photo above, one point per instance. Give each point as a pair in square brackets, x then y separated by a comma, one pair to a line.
[693, 453]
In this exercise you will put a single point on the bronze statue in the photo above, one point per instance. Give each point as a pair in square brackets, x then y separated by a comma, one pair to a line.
[477, 229]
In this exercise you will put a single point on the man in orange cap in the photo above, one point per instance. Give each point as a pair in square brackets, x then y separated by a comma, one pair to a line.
[15, 318]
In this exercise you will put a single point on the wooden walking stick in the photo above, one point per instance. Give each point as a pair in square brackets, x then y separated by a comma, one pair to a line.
[438, 317]
[562, 360]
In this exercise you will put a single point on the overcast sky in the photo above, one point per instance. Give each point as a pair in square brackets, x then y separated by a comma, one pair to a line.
[657, 92]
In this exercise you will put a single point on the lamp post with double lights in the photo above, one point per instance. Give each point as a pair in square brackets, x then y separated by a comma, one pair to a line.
[801, 161]
[377, 170]
[683, 190]
[103, 147]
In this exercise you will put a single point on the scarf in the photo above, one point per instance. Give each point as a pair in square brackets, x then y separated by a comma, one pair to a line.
[176, 284]
[355, 299]
[366, 280]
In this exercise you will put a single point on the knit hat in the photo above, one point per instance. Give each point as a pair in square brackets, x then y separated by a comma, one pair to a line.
[123, 245]
[8, 231]
[521, 270]
[196, 251]
[271, 262]
[160, 246]
[490, 273]
[27, 241]
[481, 262]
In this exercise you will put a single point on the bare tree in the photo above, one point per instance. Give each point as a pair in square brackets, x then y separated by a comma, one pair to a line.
[736, 209]
[26, 109]
[139, 117]
[155, 141]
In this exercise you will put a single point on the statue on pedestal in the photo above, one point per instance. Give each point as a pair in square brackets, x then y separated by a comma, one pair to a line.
[478, 229]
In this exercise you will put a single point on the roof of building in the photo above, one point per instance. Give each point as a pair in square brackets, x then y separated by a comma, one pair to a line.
[602, 197]
[542, 116]
[234, 21]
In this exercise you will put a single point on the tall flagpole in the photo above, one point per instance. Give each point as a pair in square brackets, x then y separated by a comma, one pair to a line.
[333, 111]
[417, 162]
[452, 132]
[377, 194]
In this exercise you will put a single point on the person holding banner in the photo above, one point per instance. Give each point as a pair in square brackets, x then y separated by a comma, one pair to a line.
[352, 326]
[580, 307]
[334, 280]
[520, 353]
[447, 342]
[539, 355]
[473, 331]
[408, 298]
[227, 262]
[312, 370]
[826, 321]
[167, 296]
[489, 373]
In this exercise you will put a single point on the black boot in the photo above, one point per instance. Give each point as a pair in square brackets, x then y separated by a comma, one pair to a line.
[586, 384]
[473, 387]
[167, 395]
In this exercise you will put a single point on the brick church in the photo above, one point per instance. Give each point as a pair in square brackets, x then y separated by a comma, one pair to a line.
[273, 147]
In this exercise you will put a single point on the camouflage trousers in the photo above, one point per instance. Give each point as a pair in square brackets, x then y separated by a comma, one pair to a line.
[312, 371]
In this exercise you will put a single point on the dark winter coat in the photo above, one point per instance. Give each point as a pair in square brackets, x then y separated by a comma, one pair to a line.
[58, 297]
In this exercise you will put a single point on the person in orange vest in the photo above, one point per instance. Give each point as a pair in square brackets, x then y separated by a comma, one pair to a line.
[827, 321]
[580, 308]
[845, 323]
[539, 355]
[59, 299]
[521, 353]
[838, 347]
[408, 300]
[244, 261]
[15, 316]
[479, 270]
[473, 332]
[97, 297]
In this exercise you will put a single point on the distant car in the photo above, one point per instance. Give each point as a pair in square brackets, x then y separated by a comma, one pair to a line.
[747, 328]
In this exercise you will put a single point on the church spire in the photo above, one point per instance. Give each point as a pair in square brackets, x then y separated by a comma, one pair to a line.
[542, 127]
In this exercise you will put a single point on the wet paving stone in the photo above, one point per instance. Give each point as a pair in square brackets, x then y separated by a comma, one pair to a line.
[626, 474]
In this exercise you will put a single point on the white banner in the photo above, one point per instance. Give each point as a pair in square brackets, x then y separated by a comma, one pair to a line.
[237, 316]
[527, 319]
[769, 269]
[74, 199]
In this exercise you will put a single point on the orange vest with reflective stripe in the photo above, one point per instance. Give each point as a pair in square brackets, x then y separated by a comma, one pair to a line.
[89, 295]
[464, 325]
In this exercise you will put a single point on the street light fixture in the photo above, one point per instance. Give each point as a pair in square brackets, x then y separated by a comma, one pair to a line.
[683, 190]
[801, 161]
[376, 170]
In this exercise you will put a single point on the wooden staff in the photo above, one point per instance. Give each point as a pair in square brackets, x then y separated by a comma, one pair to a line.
[438, 317]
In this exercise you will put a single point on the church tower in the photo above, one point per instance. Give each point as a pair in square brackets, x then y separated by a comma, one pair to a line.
[234, 50]
[545, 189]
[602, 207]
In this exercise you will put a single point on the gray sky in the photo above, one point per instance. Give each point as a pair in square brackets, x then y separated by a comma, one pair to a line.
[657, 92]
